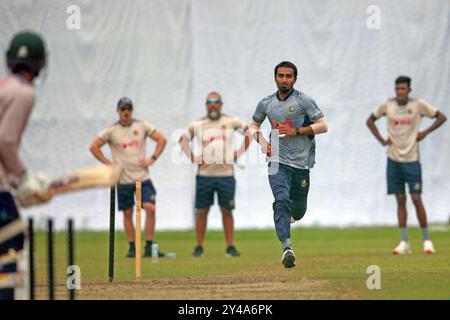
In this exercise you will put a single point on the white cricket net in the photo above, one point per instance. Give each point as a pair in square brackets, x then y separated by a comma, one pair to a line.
[167, 55]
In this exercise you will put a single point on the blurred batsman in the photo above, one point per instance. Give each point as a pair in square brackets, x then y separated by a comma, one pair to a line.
[404, 115]
[127, 140]
[215, 134]
[25, 57]
[295, 119]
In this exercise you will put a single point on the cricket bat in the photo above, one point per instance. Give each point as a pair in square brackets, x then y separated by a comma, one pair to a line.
[98, 176]
[92, 177]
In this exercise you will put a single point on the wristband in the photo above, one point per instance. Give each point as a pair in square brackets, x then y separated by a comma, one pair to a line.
[154, 157]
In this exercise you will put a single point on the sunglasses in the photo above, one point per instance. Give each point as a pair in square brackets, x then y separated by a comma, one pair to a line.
[210, 101]
[129, 108]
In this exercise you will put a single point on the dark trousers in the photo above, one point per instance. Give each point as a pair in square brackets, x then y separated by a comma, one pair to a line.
[290, 187]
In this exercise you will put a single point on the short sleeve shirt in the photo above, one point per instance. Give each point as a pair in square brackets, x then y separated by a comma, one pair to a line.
[128, 146]
[403, 124]
[216, 138]
[296, 111]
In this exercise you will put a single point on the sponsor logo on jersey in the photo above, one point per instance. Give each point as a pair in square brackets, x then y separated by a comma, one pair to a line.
[131, 144]
[402, 122]
[219, 137]
[285, 123]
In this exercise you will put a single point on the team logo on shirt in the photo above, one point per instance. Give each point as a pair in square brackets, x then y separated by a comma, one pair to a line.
[410, 111]
[135, 132]
[231, 203]
[304, 183]
[417, 186]
[291, 110]
[3, 215]
[153, 197]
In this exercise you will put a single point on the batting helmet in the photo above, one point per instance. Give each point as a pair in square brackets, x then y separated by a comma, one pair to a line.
[26, 50]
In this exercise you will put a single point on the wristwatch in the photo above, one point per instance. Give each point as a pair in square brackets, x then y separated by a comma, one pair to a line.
[154, 157]
[297, 131]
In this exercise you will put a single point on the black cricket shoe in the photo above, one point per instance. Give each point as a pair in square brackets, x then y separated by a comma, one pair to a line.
[288, 259]
[232, 252]
[198, 251]
[148, 252]
[131, 252]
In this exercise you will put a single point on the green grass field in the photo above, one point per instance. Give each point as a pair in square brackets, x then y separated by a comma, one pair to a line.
[331, 264]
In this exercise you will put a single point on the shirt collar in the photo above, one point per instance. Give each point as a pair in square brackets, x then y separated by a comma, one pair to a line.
[287, 97]
[125, 126]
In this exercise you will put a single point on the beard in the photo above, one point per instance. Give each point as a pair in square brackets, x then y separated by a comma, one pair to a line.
[214, 114]
[284, 89]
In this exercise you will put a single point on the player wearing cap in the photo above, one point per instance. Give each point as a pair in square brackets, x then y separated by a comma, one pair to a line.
[215, 168]
[404, 115]
[127, 140]
[25, 57]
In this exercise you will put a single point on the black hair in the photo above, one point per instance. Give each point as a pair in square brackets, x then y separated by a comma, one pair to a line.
[403, 79]
[286, 64]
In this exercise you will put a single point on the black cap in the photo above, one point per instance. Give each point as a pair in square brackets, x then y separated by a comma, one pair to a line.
[124, 101]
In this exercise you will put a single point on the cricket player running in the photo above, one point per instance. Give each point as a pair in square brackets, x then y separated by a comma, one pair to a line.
[127, 140]
[295, 117]
[215, 168]
[404, 115]
[25, 57]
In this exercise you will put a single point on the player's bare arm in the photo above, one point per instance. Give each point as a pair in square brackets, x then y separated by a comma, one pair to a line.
[317, 127]
[255, 130]
[373, 128]
[185, 143]
[245, 144]
[161, 142]
[12, 127]
[95, 149]
[440, 119]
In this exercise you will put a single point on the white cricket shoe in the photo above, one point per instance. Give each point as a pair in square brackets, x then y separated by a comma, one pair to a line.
[402, 248]
[428, 247]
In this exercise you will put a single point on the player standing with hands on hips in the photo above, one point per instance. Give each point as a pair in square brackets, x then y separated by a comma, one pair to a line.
[26, 57]
[404, 115]
[127, 140]
[296, 119]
